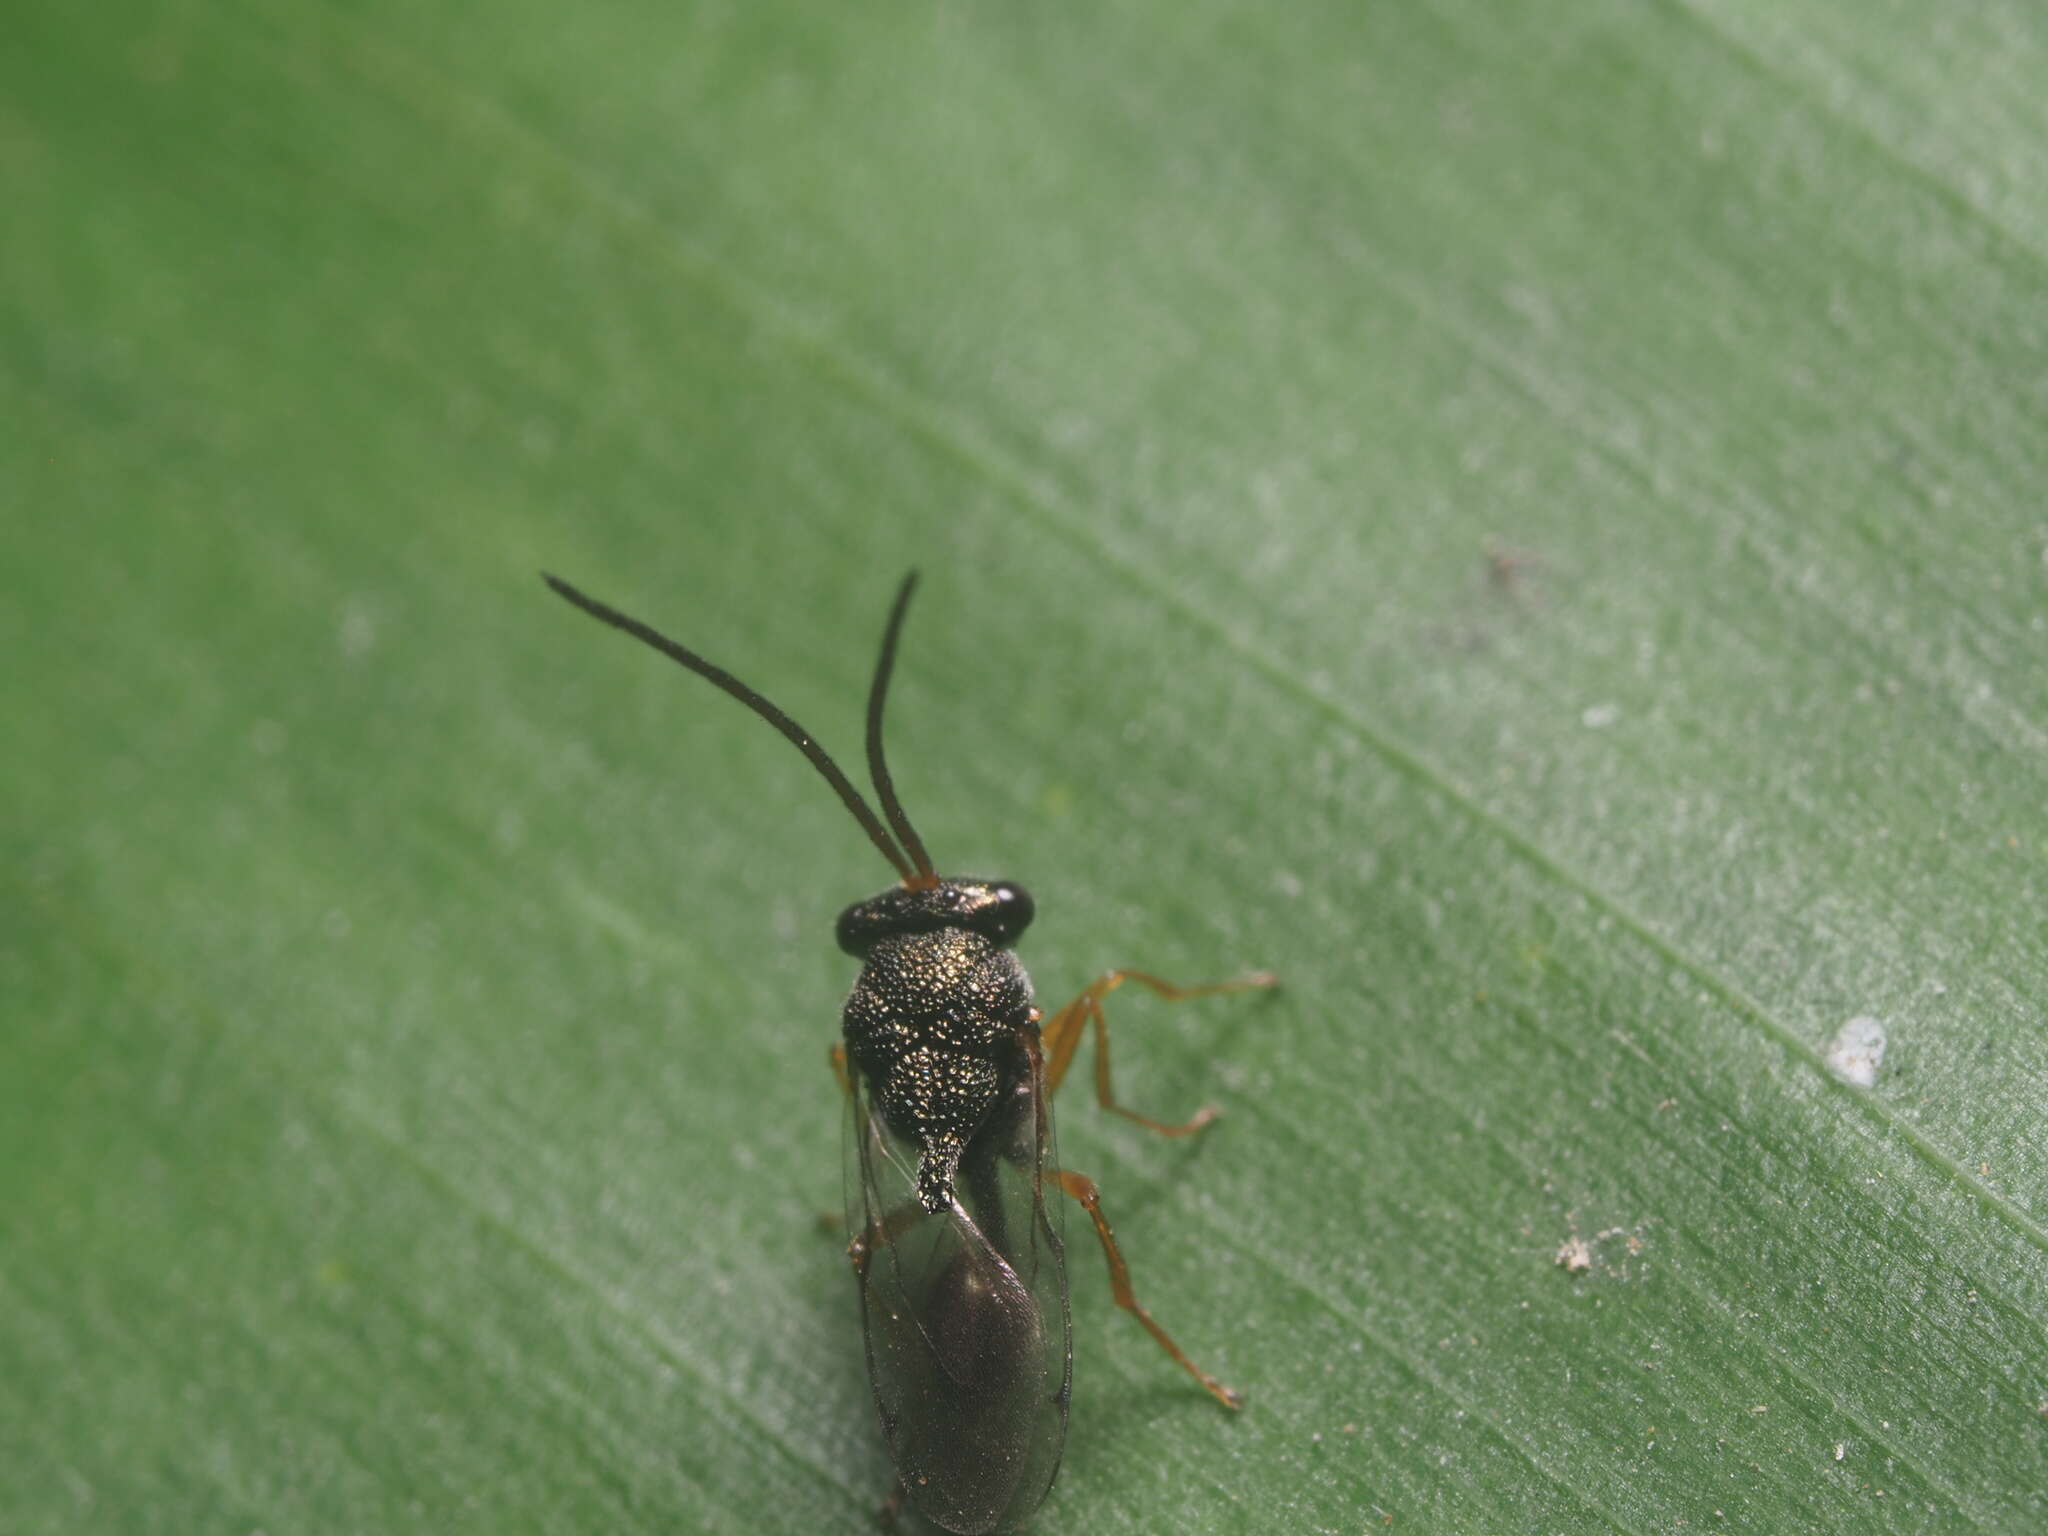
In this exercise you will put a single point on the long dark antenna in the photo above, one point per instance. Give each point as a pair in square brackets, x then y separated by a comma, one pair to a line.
[878, 765]
[760, 706]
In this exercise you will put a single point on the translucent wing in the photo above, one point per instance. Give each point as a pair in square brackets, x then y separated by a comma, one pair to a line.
[965, 1314]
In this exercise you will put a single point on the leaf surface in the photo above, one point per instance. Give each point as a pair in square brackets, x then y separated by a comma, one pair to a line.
[1526, 524]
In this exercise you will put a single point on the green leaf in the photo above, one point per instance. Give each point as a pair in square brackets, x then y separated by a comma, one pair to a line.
[1525, 520]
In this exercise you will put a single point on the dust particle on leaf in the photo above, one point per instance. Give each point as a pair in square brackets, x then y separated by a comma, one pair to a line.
[1857, 1050]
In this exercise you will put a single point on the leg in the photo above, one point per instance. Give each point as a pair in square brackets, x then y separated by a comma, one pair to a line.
[892, 1506]
[1083, 1189]
[1062, 1038]
[860, 1248]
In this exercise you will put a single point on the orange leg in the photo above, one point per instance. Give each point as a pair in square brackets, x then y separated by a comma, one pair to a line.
[862, 1246]
[892, 1506]
[1062, 1037]
[1083, 1189]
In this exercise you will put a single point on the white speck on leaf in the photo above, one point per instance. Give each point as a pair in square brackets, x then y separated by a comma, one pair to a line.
[358, 632]
[1857, 1051]
[1597, 717]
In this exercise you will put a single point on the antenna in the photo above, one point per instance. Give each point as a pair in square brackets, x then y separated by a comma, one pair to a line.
[820, 760]
[878, 765]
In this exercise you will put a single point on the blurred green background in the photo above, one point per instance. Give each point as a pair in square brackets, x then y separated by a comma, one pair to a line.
[1527, 521]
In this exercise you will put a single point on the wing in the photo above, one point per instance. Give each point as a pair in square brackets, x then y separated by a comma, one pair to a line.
[965, 1314]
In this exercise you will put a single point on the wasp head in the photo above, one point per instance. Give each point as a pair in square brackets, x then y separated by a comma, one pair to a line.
[995, 909]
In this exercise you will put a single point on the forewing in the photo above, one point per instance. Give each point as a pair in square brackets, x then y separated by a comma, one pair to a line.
[965, 1315]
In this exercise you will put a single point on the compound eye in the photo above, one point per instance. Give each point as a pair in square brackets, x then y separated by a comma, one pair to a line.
[855, 932]
[1012, 913]
[866, 922]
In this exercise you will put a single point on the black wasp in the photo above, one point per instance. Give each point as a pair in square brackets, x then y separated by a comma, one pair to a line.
[948, 1072]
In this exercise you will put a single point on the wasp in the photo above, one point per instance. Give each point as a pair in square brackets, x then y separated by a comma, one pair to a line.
[948, 1070]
